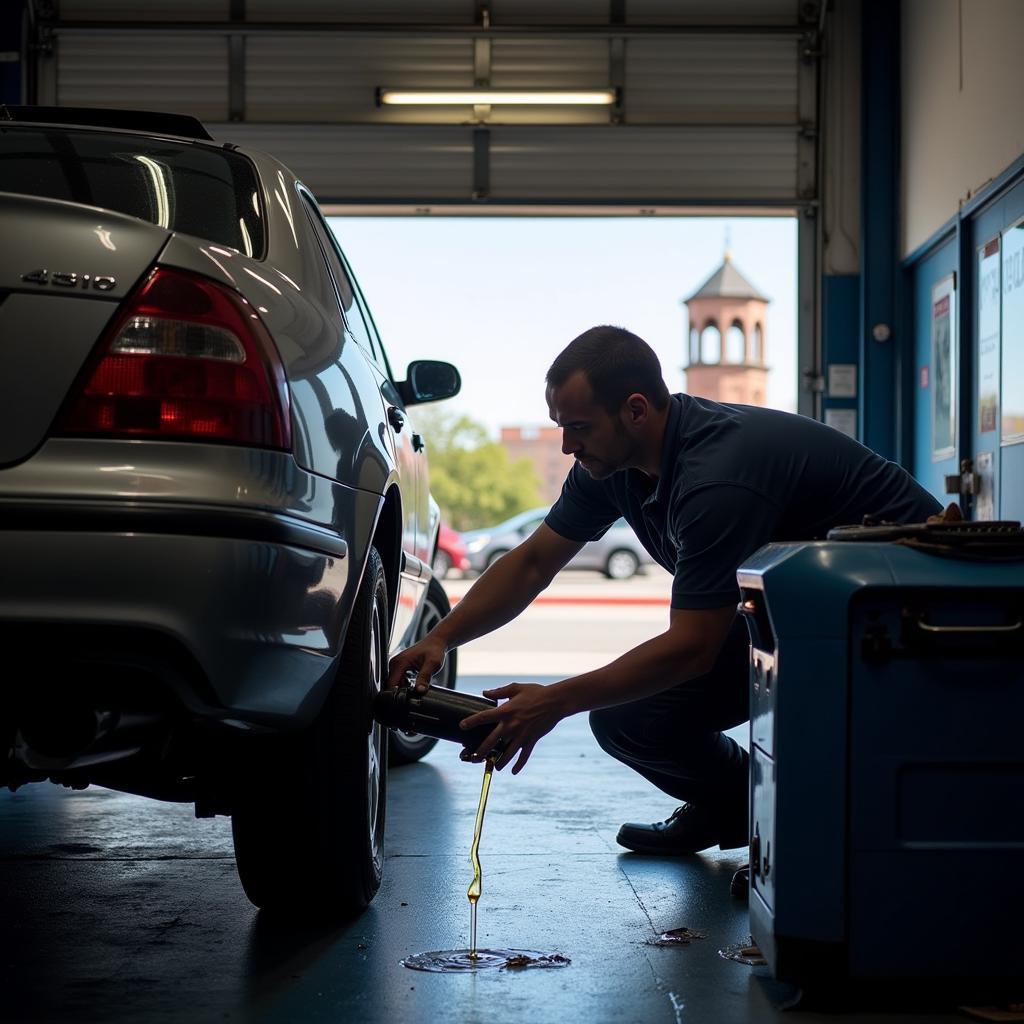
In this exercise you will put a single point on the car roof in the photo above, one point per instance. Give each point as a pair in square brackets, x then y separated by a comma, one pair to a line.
[522, 517]
[152, 122]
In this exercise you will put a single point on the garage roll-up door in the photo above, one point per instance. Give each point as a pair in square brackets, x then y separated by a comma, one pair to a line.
[715, 102]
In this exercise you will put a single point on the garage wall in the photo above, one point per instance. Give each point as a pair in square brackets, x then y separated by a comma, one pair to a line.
[961, 123]
[718, 98]
[840, 141]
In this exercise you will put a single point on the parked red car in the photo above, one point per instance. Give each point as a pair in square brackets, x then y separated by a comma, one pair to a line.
[450, 553]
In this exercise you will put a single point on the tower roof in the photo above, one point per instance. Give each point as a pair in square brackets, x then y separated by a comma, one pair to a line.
[727, 283]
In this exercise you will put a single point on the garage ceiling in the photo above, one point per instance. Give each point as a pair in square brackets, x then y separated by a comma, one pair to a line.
[718, 98]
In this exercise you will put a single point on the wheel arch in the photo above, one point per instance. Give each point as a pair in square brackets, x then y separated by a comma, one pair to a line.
[387, 539]
[434, 527]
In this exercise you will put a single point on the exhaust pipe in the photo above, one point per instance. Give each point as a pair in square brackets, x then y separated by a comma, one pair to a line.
[77, 736]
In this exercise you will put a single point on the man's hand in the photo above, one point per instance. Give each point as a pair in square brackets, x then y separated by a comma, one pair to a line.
[688, 648]
[424, 658]
[530, 712]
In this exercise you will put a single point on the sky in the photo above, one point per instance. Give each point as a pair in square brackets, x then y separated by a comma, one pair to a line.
[500, 297]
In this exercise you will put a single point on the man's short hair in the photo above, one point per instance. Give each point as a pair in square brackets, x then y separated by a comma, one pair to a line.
[617, 364]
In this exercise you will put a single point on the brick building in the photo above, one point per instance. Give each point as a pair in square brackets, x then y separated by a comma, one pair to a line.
[543, 447]
[727, 339]
[726, 362]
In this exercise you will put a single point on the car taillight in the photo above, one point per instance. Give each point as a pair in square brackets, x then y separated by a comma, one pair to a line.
[186, 359]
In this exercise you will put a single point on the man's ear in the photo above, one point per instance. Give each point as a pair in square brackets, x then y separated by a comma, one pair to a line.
[637, 409]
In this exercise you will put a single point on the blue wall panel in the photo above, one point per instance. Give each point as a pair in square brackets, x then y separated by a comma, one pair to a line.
[879, 260]
[840, 320]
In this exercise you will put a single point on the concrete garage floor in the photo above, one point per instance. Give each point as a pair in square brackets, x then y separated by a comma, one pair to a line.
[118, 909]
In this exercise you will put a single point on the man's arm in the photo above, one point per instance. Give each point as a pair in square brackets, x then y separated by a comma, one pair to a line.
[688, 648]
[498, 596]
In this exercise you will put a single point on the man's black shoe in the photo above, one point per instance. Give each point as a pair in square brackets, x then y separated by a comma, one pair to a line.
[740, 885]
[689, 829]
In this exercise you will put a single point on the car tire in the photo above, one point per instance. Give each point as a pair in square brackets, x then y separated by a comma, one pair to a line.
[621, 564]
[441, 565]
[406, 748]
[308, 827]
[495, 555]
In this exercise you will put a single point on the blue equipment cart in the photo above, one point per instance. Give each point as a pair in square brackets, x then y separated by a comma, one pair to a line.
[887, 763]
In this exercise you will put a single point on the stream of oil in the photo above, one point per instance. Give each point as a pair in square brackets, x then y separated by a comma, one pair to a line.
[447, 961]
[476, 886]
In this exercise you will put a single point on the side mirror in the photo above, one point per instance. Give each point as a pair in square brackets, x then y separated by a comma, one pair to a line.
[429, 380]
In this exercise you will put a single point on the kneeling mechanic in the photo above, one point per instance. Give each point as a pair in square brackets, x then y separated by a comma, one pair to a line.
[703, 485]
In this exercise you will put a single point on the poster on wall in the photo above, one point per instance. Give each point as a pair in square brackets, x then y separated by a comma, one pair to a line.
[989, 293]
[1013, 335]
[943, 364]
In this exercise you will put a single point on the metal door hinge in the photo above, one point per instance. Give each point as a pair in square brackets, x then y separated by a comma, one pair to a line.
[966, 483]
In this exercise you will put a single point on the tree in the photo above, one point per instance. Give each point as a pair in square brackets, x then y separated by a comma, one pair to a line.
[471, 476]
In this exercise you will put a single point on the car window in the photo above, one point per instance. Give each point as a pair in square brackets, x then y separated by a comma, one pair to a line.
[357, 322]
[530, 525]
[196, 189]
[368, 320]
[353, 314]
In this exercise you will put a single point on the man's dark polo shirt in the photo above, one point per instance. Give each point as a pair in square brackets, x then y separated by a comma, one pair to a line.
[733, 478]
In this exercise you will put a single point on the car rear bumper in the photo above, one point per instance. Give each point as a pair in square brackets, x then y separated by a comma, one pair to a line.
[241, 610]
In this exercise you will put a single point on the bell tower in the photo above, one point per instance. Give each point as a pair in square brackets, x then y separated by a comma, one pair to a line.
[726, 351]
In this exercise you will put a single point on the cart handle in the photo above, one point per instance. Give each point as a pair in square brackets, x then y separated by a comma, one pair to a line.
[928, 627]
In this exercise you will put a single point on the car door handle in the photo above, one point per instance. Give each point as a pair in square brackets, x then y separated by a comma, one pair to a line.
[396, 419]
[417, 443]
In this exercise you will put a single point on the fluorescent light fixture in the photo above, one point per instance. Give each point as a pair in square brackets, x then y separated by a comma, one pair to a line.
[494, 97]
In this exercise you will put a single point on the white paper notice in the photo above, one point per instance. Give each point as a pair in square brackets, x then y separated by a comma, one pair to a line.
[842, 380]
[844, 420]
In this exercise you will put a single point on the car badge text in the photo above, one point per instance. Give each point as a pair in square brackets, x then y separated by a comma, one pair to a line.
[97, 282]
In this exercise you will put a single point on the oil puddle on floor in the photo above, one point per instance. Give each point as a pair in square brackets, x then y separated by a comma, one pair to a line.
[675, 937]
[744, 953]
[451, 961]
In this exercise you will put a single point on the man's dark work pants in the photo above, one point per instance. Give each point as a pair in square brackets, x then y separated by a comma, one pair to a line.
[674, 739]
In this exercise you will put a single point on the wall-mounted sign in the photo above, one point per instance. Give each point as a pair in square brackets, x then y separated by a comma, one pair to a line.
[989, 293]
[1012, 391]
[844, 420]
[842, 380]
[943, 363]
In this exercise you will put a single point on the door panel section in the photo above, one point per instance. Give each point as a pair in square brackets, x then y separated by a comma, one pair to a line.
[933, 458]
[1011, 468]
[983, 400]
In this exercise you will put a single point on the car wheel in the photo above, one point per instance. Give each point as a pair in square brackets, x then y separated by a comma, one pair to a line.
[495, 555]
[405, 748]
[621, 564]
[309, 825]
[442, 563]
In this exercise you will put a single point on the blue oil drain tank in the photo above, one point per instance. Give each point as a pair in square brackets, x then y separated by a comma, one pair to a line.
[887, 757]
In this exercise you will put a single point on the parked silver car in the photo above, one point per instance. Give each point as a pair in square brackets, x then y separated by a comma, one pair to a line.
[618, 554]
[214, 503]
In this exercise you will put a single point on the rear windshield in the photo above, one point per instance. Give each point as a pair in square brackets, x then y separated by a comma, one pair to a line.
[197, 189]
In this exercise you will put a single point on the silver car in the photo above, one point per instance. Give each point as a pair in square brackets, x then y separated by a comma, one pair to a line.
[216, 522]
[618, 554]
